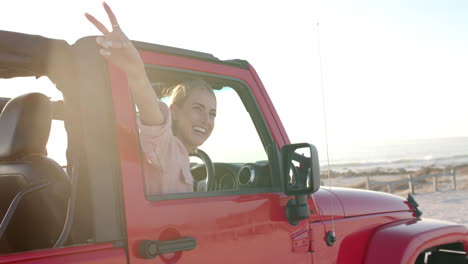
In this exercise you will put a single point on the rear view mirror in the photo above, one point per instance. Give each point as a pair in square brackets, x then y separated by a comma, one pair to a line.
[301, 169]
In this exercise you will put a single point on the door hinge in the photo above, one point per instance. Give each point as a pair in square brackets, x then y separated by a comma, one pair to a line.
[300, 241]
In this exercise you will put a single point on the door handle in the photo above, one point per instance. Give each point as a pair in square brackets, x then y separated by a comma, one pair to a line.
[149, 249]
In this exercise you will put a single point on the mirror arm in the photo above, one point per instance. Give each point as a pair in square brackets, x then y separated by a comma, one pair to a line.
[297, 209]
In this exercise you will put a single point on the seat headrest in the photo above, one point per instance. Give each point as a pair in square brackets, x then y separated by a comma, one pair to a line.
[25, 126]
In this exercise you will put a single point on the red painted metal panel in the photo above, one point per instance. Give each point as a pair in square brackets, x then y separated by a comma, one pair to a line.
[352, 236]
[328, 205]
[230, 229]
[362, 202]
[401, 242]
[89, 254]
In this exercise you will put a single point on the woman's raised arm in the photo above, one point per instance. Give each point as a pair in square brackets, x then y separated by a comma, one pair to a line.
[117, 48]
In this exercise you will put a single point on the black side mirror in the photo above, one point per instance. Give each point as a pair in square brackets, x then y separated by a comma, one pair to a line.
[301, 177]
[301, 173]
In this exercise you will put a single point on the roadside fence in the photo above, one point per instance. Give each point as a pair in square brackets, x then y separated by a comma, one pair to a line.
[411, 180]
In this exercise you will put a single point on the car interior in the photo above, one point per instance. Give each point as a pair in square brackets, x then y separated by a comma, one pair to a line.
[34, 189]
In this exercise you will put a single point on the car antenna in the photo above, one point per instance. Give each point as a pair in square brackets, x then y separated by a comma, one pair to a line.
[330, 236]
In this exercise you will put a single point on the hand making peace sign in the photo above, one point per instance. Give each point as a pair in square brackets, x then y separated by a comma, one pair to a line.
[116, 46]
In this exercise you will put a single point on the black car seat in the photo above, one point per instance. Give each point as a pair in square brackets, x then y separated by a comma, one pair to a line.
[34, 189]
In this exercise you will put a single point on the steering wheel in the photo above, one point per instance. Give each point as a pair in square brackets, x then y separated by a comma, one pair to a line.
[210, 181]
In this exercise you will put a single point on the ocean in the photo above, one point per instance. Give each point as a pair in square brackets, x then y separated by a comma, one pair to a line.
[403, 154]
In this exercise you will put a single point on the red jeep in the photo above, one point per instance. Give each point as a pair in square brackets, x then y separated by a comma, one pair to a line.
[256, 199]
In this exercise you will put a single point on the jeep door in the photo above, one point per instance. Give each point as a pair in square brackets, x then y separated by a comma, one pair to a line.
[239, 220]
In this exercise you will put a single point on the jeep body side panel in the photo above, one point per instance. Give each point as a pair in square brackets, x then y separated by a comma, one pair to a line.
[402, 242]
[352, 237]
[92, 254]
[363, 202]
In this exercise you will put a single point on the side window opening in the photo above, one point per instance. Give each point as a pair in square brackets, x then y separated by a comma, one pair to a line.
[235, 147]
[241, 161]
[234, 131]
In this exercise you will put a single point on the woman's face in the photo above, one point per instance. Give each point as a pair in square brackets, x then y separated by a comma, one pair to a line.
[194, 120]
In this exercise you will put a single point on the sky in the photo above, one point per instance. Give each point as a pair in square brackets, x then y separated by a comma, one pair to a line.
[380, 70]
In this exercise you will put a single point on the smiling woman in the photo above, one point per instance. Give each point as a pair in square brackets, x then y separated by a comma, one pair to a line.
[193, 110]
[186, 126]
[234, 146]
[167, 135]
[234, 152]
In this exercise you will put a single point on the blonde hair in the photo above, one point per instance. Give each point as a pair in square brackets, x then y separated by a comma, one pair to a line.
[182, 91]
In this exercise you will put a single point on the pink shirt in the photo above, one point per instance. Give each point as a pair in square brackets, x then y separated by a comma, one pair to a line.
[167, 168]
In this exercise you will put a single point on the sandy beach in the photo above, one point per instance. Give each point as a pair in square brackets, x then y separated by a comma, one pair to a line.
[449, 205]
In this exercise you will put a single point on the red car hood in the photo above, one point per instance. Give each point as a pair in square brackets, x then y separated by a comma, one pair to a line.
[345, 202]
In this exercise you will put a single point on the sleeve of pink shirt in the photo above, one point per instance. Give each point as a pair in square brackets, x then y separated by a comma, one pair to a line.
[167, 156]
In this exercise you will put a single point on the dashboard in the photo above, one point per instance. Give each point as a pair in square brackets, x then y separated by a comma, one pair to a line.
[234, 176]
